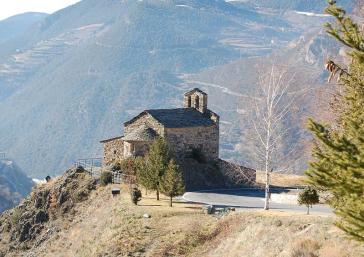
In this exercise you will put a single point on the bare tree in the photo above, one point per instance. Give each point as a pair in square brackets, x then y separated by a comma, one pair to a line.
[272, 105]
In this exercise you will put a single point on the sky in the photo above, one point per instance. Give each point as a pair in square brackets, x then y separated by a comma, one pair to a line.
[12, 7]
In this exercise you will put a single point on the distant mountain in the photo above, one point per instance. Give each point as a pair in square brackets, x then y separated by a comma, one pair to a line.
[14, 26]
[14, 184]
[298, 5]
[84, 70]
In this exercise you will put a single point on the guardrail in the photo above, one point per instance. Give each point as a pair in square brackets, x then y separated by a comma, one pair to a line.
[92, 165]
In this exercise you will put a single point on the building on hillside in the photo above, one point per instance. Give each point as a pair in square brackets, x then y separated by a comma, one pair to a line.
[191, 128]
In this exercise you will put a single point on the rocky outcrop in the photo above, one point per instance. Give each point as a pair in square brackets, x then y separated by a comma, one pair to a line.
[28, 224]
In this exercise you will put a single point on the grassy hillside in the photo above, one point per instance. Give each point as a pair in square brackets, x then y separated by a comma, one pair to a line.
[90, 222]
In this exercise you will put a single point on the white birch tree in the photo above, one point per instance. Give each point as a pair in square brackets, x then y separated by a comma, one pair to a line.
[271, 107]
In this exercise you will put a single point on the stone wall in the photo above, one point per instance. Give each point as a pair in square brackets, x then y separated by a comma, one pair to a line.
[113, 151]
[236, 174]
[184, 140]
[136, 148]
[215, 174]
[148, 121]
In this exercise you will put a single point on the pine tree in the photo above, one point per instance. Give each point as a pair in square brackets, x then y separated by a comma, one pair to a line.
[142, 172]
[338, 165]
[157, 162]
[308, 197]
[172, 184]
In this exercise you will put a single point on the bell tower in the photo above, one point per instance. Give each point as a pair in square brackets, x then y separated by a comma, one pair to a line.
[197, 99]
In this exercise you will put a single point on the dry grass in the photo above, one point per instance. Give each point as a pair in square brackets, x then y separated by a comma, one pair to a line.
[280, 179]
[305, 247]
[257, 234]
[107, 226]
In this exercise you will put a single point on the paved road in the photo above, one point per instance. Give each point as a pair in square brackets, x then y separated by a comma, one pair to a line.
[247, 199]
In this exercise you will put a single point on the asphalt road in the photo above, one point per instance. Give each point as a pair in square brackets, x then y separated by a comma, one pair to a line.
[243, 199]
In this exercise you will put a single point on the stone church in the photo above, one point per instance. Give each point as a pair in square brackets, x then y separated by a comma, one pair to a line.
[193, 127]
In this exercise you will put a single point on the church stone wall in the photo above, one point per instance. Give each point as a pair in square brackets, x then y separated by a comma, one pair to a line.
[136, 148]
[147, 120]
[184, 140]
[113, 151]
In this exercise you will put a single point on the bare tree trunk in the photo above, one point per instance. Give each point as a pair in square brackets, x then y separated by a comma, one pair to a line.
[267, 189]
[170, 201]
[308, 210]
[157, 194]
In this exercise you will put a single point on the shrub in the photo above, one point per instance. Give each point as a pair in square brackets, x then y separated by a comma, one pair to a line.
[15, 218]
[106, 178]
[136, 195]
[308, 197]
[81, 194]
[116, 167]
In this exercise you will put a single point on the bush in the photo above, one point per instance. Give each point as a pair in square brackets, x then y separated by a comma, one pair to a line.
[116, 167]
[16, 215]
[106, 178]
[136, 195]
[308, 197]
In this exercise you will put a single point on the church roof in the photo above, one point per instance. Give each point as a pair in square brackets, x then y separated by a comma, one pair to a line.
[177, 118]
[142, 133]
[111, 139]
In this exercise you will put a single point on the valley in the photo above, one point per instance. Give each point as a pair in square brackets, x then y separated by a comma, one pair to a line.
[48, 93]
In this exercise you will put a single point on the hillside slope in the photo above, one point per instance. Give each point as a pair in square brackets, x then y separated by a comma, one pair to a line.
[72, 217]
[84, 70]
[74, 77]
[14, 185]
[15, 26]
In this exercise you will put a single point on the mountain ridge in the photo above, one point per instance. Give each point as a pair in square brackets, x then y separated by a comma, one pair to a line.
[130, 48]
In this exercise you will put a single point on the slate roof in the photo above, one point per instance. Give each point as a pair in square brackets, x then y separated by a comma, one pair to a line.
[177, 118]
[142, 133]
[110, 139]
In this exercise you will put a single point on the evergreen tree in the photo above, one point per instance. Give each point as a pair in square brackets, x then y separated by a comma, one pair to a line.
[157, 162]
[338, 165]
[172, 184]
[128, 167]
[143, 173]
[308, 197]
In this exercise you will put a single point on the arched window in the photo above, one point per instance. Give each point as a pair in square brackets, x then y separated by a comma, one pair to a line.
[197, 102]
[189, 102]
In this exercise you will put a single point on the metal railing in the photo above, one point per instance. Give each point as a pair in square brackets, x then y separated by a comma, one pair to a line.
[2, 155]
[117, 177]
[92, 165]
